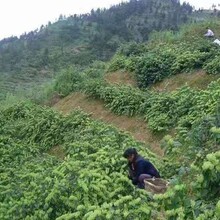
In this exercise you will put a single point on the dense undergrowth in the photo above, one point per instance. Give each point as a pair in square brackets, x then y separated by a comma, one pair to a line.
[91, 182]
[162, 111]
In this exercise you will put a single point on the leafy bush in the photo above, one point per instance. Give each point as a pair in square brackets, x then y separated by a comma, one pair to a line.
[154, 67]
[130, 63]
[213, 66]
[210, 177]
[117, 63]
[68, 80]
[123, 100]
[89, 183]
[95, 70]
[187, 61]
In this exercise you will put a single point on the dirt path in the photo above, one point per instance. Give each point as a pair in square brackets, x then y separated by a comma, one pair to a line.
[135, 126]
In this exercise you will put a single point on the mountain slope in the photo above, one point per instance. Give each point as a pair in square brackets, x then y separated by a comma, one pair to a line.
[82, 39]
[133, 125]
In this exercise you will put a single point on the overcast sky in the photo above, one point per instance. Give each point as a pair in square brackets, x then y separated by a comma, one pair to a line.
[20, 16]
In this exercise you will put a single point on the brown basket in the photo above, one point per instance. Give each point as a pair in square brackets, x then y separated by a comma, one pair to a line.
[156, 185]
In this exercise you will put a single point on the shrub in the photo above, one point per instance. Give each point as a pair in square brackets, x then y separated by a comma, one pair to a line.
[95, 70]
[132, 49]
[155, 66]
[188, 61]
[67, 81]
[213, 67]
[117, 63]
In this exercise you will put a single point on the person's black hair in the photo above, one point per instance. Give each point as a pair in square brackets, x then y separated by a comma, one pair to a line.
[128, 152]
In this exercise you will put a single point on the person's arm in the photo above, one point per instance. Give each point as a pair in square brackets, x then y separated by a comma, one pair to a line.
[132, 175]
[146, 167]
[141, 168]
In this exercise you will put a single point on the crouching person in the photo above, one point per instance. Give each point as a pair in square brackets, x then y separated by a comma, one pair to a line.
[139, 168]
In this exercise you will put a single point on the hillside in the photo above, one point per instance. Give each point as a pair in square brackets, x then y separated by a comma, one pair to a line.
[138, 128]
[197, 80]
[133, 125]
[65, 160]
[71, 166]
[82, 39]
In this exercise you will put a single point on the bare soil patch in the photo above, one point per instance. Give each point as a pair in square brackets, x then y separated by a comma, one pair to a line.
[133, 125]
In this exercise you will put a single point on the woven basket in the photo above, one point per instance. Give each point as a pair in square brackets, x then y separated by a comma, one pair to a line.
[156, 185]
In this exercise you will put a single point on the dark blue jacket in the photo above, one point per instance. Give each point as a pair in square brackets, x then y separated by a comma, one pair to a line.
[141, 166]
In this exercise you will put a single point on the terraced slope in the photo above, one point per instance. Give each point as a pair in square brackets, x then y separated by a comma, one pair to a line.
[135, 126]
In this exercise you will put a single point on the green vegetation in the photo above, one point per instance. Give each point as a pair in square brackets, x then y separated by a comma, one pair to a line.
[177, 53]
[71, 167]
[90, 182]
[79, 40]
[161, 111]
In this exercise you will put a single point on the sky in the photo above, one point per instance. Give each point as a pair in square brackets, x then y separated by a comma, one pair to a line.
[20, 16]
[205, 4]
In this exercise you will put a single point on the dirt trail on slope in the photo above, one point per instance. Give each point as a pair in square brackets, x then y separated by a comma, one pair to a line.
[135, 126]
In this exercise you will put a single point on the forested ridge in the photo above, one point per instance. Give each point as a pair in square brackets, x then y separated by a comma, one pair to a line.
[56, 166]
[81, 39]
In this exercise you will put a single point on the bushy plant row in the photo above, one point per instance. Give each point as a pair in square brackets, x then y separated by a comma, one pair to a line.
[122, 100]
[160, 110]
[156, 62]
